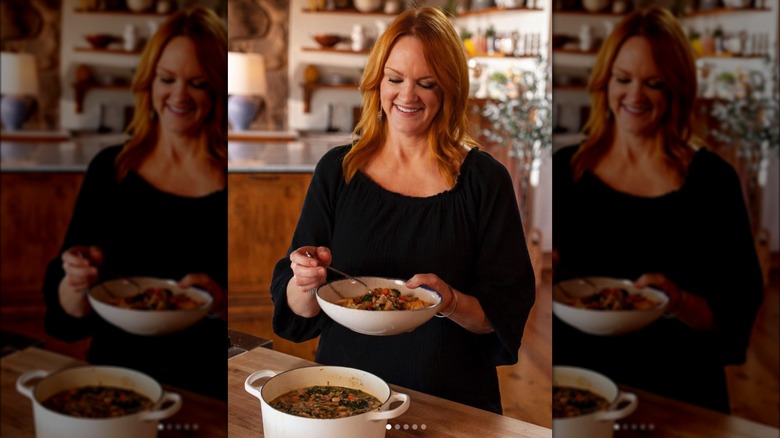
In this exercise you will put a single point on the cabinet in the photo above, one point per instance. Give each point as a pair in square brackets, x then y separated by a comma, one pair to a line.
[263, 210]
[103, 98]
[308, 102]
[35, 210]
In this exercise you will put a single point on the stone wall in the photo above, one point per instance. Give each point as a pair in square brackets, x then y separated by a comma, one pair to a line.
[33, 26]
[262, 26]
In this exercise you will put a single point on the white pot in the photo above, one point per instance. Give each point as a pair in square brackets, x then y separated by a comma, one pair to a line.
[599, 424]
[277, 424]
[51, 424]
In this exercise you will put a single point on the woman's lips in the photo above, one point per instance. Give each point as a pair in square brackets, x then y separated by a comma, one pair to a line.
[407, 110]
[636, 109]
[179, 109]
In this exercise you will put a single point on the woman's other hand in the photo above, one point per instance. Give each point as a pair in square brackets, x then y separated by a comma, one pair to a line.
[690, 309]
[80, 264]
[203, 281]
[464, 309]
[308, 274]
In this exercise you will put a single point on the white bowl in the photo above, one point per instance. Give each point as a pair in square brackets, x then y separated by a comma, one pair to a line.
[595, 5]
[376, 322]
[147, 322]
[367, 5]
[605, 322]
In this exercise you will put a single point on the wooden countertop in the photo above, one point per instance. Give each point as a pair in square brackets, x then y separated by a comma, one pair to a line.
[657, 416]
[199, 416]
[440, 417]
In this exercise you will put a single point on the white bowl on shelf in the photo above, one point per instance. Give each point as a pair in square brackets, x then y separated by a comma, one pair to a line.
[595, 5]
[367, 5]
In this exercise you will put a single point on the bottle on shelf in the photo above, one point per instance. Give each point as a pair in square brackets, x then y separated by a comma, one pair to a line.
[358, 37]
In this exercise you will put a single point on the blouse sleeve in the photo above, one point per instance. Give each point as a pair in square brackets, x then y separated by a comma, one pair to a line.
[734, 286]
[315, 227]
[504, 282]
[84, 229]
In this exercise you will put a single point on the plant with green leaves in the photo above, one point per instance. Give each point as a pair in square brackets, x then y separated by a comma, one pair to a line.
[521, 118]
[749, 122]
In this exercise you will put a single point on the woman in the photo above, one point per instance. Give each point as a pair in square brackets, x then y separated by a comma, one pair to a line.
[155, 206]
[413, 198]
[639, 199]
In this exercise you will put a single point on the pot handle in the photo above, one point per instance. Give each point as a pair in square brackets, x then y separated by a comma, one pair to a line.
[257, 375]
[156, 414]
[21, 382]
[610, 415]
[384, 415]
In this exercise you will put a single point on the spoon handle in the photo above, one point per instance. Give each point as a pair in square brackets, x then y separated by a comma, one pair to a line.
[344, 274]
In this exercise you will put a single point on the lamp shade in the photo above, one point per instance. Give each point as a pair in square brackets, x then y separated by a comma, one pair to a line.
[19, 74]
[246, 74]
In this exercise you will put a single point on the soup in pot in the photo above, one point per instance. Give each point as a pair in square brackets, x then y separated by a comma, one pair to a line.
[95, 401]
[325, 402]
[573, 402]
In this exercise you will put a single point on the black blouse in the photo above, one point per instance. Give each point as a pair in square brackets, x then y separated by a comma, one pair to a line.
[470, 236]
[147, 232]
[698, 236]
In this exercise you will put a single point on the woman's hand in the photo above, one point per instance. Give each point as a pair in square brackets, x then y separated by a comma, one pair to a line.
[690, 309]
[464, 309]
[80, 264]
[308, 274]
[203, 281]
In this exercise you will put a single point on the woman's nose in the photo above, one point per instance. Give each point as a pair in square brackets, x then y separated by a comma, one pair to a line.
[635, 89]
[408, 92]
[179, 89]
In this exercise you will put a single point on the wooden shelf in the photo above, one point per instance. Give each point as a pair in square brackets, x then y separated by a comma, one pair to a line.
[581, 12]
[575, 52]
[107, 50]
[83, 89]
[734, 57]
[121, 12]
[502, 55]
[352, 11]
[724, 10]
[569, 87]
[334, 50]
[497, 10]
[309, 89]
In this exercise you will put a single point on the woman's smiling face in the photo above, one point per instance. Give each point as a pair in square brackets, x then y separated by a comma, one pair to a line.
[636, 90]
[409, 94]
[180, 91]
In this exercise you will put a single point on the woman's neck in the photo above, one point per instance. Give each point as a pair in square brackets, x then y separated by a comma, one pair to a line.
[181, 166]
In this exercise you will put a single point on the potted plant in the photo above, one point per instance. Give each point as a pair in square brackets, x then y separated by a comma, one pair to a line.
[748, 122]
[521, 118]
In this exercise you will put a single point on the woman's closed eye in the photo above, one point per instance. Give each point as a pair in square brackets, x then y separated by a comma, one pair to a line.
[423, 84]
[200, 85]
[655, 85]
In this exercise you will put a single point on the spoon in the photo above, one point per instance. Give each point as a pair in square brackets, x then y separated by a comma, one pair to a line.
[574, 276]
[113, 273]
[344, 274]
